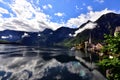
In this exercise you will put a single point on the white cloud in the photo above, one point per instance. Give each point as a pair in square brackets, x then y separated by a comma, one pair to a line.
[93, 16]
[1, 0]
[0, 16]
[26, 17]
[82, 18]
[49, 6]
[2, 10]
[76, 7]
[90, 25]
[90, 8]
[59, 14]
[38, 1]
[100, 1]
[45, 7]
[22, 9]
[75, 22]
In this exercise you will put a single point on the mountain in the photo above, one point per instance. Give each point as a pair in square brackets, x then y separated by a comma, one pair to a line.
[47, 31]
[61, 34]
[47, 37]
[106, 24]
[10, 36]
[50, 37]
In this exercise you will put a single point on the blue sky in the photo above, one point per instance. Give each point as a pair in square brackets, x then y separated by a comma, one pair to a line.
[36, 15]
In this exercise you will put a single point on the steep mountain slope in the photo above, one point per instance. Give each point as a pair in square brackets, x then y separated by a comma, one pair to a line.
[106, 24]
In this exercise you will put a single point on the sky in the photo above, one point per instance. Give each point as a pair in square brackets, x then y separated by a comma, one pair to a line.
[36, 15]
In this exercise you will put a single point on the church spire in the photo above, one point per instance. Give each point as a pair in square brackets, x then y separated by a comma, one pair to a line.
[90, 40]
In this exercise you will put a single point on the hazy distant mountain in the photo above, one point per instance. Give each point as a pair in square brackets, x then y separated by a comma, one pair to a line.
[47, 37]
[61, 34]
[10, 36]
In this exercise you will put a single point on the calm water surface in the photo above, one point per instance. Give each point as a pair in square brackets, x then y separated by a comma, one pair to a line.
[36, 63]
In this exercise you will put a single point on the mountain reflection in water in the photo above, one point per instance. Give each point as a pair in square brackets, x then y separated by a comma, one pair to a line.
[33, 63]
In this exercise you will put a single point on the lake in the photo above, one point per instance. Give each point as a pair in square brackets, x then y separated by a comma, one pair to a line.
[37, 63]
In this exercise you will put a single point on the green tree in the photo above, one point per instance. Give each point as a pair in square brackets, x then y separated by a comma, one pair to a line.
[110, 64]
